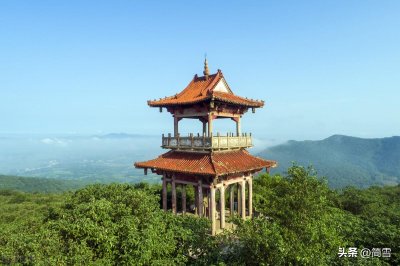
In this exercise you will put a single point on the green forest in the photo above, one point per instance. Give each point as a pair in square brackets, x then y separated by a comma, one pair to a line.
[298, 220]
[345, 160]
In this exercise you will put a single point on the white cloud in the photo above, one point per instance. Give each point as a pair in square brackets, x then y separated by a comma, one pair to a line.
[54, 141]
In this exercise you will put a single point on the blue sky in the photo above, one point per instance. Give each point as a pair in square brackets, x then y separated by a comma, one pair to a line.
[88, 67]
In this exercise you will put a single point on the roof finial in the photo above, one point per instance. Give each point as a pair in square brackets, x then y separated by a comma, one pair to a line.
[206, 72]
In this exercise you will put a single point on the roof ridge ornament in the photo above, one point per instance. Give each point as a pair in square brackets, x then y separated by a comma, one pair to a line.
[206, 72]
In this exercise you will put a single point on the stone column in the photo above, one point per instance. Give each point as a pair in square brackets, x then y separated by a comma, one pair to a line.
[212, 216]
[210, 120]
[250, 197]
[200, 198]
[173, 188]
[208, 204]
[243, 198]
[238, 129]
[222, 206]
[204, 127]
[196, 200]
[232, 199]
[176, 128]
[183, 192]
[239, 200]
[164, 192]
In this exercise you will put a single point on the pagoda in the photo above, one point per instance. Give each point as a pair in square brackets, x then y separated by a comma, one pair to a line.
[211, 163]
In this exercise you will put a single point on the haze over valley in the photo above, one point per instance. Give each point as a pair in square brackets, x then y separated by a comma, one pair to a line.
[109, 158]
[91, 158]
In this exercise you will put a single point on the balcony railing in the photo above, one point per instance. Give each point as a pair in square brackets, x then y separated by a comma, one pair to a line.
[199, 142]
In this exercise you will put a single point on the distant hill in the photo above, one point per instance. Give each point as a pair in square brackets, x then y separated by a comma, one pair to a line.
[33, 184]
[343, 160]
[55, 185]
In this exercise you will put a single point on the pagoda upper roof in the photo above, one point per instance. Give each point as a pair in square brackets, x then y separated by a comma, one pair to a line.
[204, 89]
[208, 164]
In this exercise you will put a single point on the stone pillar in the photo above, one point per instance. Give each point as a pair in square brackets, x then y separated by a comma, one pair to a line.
[243, 198]
[250, 197]
[212, 216]
[238, 129]
[210, 119]
[196, 200]
[183, 192]
[173, 188]
[204, 127]
[239, 200]
[176, 128]
[164, 192]
[208, 204]
[232, 199]
[200, 198]
[222, 206]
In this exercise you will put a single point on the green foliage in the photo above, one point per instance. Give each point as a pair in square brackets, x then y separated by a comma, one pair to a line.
[107, 224]
[23, 236]
[299, 221]
[300, 206]
[378, 212]
[256, 242]
[33, 184]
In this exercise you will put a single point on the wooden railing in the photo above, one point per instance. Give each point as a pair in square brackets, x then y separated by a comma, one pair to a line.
[204, 142]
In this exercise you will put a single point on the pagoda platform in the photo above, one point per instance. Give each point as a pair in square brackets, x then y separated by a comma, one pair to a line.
[218, 142]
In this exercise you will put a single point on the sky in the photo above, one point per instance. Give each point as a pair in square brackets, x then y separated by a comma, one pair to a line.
[89, 67]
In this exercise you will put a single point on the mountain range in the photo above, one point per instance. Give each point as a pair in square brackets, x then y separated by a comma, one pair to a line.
[344, 160]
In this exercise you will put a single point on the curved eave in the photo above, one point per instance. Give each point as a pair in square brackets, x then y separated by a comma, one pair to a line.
[168, 104]
[253, 104]
[149, 166]
[211, 164]
[254, 169]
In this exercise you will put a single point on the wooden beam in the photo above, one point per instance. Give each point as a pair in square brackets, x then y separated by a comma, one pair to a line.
[178, 181]
[191, 114]
[232, 181]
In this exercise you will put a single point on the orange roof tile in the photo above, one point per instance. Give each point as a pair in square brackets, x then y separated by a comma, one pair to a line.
[214, 163]
[202, 89]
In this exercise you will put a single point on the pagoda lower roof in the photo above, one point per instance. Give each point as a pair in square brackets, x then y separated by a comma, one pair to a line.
[209, 164]
[203, 89]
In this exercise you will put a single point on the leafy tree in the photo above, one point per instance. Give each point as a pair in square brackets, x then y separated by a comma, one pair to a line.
[302, 208]
[378, 212]
[255, 242]
[107, 225]
[118, 224]
[299, 221]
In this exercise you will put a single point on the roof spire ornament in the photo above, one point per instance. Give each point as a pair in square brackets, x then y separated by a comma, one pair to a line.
[206, 72]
